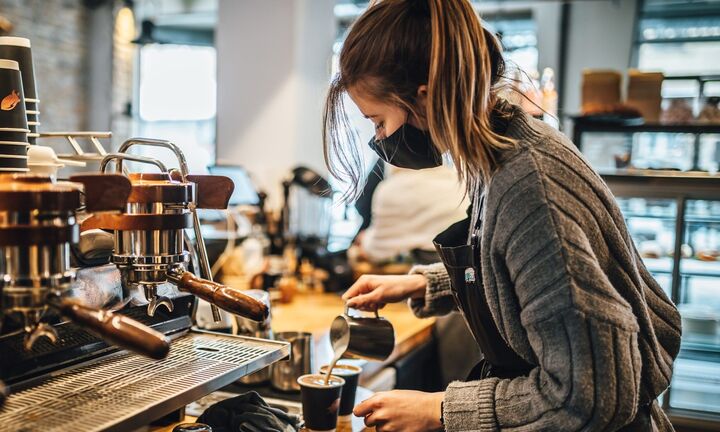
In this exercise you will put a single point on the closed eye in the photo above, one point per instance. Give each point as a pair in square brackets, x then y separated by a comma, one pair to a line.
[380, 130]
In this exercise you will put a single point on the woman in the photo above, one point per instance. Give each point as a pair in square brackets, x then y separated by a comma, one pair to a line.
[576, 334]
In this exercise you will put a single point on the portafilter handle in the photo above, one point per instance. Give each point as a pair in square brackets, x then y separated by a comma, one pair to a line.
[3, 393]
[224, 297]
[116, 329]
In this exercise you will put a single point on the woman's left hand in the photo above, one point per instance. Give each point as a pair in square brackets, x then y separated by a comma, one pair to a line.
[402, 410]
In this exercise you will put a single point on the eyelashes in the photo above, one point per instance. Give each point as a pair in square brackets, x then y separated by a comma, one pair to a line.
[379, 130]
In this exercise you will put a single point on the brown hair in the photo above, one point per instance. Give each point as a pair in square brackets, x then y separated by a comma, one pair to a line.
[397, 46]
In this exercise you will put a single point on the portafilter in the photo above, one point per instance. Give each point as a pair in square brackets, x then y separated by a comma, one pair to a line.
[150, 247]
[38, 225]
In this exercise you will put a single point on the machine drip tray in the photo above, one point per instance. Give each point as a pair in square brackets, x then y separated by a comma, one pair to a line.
[126, 391]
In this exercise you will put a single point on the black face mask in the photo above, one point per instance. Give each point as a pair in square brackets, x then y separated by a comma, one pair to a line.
[408, 147]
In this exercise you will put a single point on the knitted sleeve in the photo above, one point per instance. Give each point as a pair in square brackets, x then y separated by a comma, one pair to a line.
[582, 333]
[438, 295]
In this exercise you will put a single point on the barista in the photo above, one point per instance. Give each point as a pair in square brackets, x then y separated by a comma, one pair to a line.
[575, 332]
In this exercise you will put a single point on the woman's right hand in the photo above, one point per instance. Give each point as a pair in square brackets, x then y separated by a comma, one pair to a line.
[372, 292]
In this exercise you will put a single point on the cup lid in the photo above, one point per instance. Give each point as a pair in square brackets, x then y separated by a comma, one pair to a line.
[15, 41]
[9, 64]
[318, 380]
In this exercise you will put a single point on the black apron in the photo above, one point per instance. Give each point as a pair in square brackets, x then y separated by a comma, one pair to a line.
[462, 261]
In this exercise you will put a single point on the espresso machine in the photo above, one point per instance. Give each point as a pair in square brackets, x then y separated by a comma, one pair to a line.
[38, 225]
[150, 246]
[82, 345]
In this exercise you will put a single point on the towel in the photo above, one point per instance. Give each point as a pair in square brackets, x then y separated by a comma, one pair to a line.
[248, 413]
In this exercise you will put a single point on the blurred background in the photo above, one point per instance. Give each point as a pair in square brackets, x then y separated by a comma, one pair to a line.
[241, 84]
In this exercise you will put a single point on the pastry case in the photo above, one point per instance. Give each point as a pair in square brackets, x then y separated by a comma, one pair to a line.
[674, 219]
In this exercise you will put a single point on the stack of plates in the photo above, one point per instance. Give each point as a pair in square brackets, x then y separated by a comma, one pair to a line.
[13, 150]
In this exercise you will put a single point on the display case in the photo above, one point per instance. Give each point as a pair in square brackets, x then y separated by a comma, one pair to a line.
[674, 219]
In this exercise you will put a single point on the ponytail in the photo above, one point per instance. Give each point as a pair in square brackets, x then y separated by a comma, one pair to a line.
[398, 45]
[465, 63]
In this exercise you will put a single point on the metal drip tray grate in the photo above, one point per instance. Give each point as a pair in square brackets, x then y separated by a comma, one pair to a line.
[126, 390]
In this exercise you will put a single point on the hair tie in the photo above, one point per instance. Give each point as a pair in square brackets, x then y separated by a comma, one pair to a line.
[419, 6]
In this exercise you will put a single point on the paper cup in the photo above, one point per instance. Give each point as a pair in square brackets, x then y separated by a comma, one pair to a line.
[13, 149]
[12, 106]
[351, 375]
[18, 49]
[14, 135]
[7, 161]
[320, 403]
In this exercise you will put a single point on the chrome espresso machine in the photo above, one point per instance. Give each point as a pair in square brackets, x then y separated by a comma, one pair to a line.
[99, 281]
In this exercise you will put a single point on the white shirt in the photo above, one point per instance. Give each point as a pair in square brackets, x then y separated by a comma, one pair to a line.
[410, 208]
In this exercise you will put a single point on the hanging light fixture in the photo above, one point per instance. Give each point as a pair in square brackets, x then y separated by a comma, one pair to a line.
[125, 22]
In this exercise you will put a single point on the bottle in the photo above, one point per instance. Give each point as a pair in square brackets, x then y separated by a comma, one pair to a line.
[549, 97]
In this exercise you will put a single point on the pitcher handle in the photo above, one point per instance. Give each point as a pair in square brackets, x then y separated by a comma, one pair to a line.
[347, 311]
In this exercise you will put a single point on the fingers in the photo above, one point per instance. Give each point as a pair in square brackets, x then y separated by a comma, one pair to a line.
[378, 419]
[361, 286]
[375, 419]
[365, 407]
[365, 302]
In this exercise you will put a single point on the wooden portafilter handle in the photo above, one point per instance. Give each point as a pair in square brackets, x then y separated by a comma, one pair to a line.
[117, 329]
[3, 393]
[224, 297]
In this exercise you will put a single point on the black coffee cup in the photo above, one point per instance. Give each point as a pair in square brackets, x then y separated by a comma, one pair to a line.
[18, 49]
[14, 135]
[13, 149]
[351, 375]
[12, 104]
[19, 162]
[33, 134]
[320, 402]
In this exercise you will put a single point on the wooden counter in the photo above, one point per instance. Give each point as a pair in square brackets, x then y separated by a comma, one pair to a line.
[314, 313]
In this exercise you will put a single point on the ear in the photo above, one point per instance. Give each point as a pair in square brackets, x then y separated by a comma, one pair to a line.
[422, 92]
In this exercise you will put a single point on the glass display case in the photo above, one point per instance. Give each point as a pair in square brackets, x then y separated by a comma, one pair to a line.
[674, 219]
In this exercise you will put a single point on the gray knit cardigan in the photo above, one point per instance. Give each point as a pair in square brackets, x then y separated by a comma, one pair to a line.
[568, 292]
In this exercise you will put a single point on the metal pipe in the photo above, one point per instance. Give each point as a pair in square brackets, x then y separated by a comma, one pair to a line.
[118, 157]
[159, 143]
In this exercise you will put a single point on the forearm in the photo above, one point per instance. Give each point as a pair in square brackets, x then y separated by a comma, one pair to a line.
[436, 298]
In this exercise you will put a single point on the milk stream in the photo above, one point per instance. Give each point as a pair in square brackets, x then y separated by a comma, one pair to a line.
[336, 357]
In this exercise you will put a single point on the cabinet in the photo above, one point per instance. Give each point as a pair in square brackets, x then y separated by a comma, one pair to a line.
[674, 219]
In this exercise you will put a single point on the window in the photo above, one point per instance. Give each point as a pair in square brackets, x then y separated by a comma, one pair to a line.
[518, 34]
[679, 37]
[177, 101]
